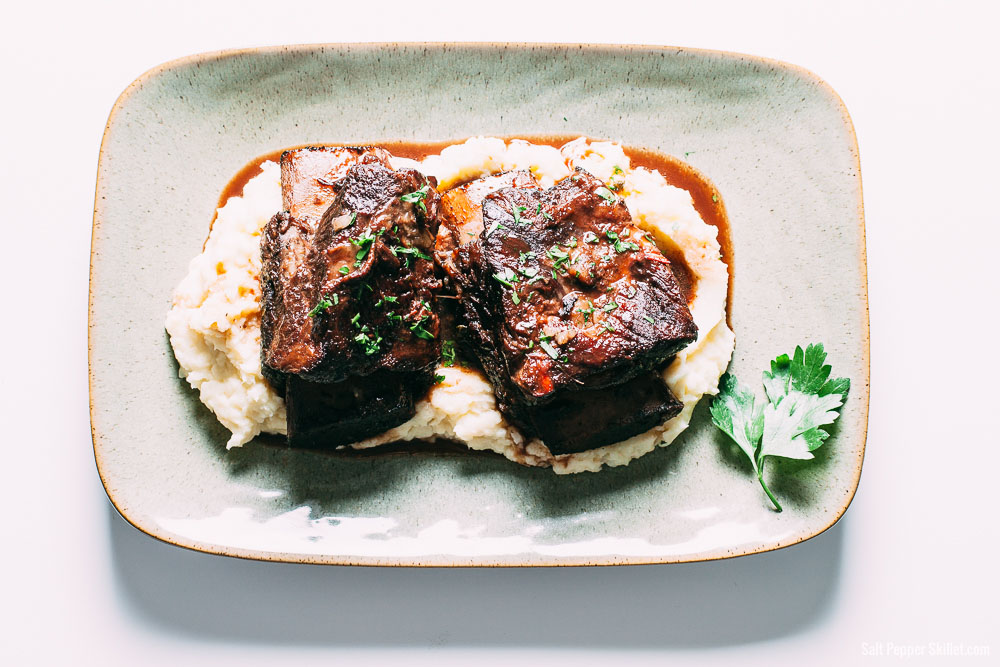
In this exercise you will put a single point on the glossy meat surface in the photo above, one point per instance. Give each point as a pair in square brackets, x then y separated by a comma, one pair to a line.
[308, 176]
[605, 407]
[349, 364]
[355, 294]
[574, 295]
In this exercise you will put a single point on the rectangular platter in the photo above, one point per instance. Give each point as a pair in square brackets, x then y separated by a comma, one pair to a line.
[774, 139]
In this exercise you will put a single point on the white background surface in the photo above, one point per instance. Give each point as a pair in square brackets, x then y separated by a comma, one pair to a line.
[913, 563]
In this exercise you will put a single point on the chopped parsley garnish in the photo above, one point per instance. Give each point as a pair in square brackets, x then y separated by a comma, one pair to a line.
[617, 179]
[448, 352]
[608, 326]
[370, 342]
[420, 332]
[587, 312]
[386, 299]
[546, 214]
[417, 198]
[620, 245]
[611, 306]
[591, 237]
[344, 270]
[494, 228]
[649, 319]
[524, 256]
[408, 253]
[571, 243]
[605, 194]
[549, 350]
[438, 378]
[517, 215]
[368, 339]
[558, 256]
[715, 198]
[417, 327]
[364, 243]
[530, 272]
[321, 305]
[507, 278]
[802, 399]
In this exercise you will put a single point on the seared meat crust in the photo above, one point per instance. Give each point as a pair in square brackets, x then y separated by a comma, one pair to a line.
[355, 293]
[572, 293]
[573, 356]
[349, 324]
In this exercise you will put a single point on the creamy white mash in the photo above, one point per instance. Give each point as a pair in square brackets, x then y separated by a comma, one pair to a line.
[214, 324]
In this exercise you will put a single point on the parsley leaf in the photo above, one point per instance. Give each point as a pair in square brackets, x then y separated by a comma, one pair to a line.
[560, 258]
[321, 305]
[364, 243]
[801, 400]
[737, 413]
[517, 214]
[448, 352]
[620, 245]
[507, 278]
[417, 198]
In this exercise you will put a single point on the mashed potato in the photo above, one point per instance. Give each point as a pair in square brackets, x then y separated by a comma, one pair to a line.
[214, 324]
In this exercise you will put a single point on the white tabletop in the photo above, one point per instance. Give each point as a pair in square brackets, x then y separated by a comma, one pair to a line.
[911, 569]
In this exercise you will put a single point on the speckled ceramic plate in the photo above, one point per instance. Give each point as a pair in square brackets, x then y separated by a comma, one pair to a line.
[776, 141]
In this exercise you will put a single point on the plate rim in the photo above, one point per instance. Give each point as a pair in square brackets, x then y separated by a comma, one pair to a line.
[156, 532]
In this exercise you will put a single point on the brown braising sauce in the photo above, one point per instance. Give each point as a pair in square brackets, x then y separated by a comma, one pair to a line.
[707, 200]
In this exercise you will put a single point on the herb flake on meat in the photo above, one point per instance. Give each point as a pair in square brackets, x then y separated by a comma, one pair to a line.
[417, 198]
[322, 305]
[448, 352]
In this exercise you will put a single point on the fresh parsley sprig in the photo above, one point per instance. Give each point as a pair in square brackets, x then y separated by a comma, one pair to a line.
[802, 398]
